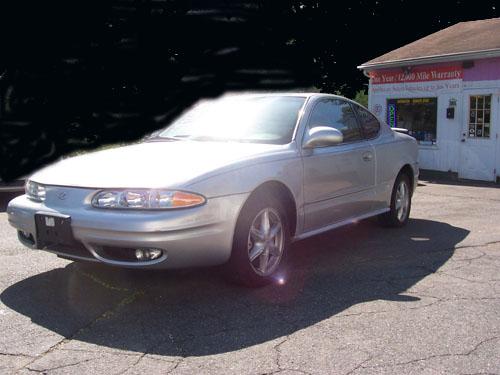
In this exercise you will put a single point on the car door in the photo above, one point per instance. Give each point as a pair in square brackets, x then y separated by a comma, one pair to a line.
[338, 180]
[370, 126]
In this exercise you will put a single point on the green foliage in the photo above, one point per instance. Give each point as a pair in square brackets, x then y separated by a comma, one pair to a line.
[362, 98]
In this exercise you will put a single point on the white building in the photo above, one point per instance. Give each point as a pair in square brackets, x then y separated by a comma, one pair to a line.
[445, 89]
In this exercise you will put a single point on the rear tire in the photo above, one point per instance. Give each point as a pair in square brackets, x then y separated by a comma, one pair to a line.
[399, 213]
[261, 241]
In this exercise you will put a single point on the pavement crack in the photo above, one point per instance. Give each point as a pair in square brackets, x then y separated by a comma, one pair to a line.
[145, 353]
[175, 366]
[446, 355]
[15, 355]
[105, 315]
[133, 364]
[374, 312]
[445, 273]
[277, 349]
[290, 370]
[98, 352]
[360, 365]
[475, 246]
[462, 278]
[46, 370]
[278, 361]
[481, 343]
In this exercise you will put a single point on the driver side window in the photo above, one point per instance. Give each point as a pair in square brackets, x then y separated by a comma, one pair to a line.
[336, 113]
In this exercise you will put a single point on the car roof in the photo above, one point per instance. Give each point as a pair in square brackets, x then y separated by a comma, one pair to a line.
[278, 93]
[310, 96]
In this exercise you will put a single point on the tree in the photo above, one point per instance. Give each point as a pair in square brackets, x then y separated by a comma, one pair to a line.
[361, 98]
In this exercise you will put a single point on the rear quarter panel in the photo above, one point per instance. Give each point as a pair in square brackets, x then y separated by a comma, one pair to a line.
[393, 151]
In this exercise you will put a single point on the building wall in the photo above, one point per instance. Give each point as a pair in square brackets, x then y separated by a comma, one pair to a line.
[483, 70]
[445, 155]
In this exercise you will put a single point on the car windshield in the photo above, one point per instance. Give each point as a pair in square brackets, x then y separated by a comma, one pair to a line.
[255, 119]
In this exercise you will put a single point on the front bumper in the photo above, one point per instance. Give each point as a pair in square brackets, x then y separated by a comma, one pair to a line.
[199, 236]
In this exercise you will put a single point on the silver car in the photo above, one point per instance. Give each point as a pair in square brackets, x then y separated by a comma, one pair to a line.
[232, 181]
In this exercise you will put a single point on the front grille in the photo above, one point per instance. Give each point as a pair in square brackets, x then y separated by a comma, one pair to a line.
[75, 249]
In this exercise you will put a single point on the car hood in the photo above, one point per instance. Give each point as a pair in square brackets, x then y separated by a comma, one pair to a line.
[151, 164]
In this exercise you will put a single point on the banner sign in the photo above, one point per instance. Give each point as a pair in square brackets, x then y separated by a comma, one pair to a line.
[418, 88]
[417, 74]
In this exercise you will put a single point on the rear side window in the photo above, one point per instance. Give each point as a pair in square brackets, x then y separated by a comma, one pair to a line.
[336, 114]
[368, 122]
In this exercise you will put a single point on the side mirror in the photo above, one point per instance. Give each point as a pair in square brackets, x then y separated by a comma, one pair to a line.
[400, 130]
[323, 136]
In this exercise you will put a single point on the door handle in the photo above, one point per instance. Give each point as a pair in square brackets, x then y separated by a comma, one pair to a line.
[367, 156]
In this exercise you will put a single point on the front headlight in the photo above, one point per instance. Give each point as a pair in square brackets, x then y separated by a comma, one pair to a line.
[146, 199]
[35, 191]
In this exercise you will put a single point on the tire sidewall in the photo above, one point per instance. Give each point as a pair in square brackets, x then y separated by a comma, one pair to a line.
[393, 213]
[239, 268]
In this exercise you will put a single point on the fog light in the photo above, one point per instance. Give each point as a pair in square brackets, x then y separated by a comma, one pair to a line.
[148, 254]
[139, 254]
[154, 253]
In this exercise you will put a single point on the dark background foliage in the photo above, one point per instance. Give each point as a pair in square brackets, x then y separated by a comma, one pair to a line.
[79, 74]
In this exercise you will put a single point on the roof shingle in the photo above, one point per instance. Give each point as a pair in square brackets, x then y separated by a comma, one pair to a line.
[463, 37]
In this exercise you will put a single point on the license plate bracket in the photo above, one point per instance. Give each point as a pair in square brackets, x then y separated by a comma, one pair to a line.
[53, 230]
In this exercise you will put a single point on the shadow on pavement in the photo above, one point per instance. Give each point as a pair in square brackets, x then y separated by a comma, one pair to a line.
[195, 313]
[450, 178]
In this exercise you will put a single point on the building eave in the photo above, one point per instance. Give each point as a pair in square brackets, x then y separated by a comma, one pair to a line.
[432, 59]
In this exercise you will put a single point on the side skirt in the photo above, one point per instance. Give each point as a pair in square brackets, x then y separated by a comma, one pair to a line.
[339, 224]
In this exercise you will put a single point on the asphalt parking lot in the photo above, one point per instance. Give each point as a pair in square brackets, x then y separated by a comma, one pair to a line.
[359, 300]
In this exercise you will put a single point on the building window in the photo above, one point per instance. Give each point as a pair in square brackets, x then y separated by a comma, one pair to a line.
[480, 116]
[418, 115]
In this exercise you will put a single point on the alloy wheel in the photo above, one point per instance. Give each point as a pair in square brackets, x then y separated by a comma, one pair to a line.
[266, 242]
[402, 201]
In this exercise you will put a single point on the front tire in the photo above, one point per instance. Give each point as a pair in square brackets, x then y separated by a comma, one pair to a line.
[399, 213]
[261, 241]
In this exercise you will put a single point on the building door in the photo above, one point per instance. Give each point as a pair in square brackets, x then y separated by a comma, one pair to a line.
[480, 136]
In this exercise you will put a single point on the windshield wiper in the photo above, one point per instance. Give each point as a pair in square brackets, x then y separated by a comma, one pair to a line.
[193, 137]
[162, 139]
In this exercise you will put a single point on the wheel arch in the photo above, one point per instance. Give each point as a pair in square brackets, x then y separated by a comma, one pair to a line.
[408, 170]
[284, 194]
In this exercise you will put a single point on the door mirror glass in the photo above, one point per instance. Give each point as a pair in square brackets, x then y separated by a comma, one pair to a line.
[323, 136]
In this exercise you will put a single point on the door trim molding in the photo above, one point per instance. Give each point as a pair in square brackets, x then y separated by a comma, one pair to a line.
[339, 224]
